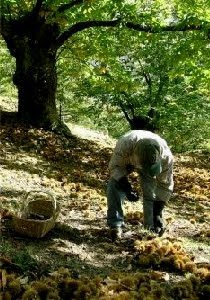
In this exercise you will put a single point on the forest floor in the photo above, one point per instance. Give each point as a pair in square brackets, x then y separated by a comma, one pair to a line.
[75, 172]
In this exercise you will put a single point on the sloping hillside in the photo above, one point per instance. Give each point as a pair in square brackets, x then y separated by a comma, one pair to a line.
[80, 247]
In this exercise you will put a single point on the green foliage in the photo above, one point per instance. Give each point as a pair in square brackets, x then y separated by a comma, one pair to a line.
[7, 67]
[176, 64]
[16, 8]
[5, 247]
[102, 69]
[24, 260]
[21, 258]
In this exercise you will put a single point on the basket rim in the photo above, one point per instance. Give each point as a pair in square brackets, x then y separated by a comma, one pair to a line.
[24, 203]
[27, 199]
[33, 220]
[55, 213]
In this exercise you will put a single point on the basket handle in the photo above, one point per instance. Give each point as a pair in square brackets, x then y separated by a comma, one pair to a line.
[27, 200]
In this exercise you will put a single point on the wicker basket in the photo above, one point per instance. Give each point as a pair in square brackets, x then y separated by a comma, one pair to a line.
[36, 203]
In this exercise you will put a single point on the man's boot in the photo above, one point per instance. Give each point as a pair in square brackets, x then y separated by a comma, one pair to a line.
[159, 225]
[115, 233]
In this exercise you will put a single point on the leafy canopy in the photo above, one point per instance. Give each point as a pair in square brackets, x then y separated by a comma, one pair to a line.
[157, 56]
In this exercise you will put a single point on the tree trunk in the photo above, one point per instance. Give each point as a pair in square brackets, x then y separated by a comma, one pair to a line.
[36, 81]
[30, 40]
[142, 123]
[33, 39]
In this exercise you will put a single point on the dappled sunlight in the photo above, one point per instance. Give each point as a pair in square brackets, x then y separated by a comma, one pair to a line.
[76, 172]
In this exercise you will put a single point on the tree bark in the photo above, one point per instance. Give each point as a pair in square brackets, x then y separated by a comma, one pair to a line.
[30, 41]
[36, 81]
[34, 40]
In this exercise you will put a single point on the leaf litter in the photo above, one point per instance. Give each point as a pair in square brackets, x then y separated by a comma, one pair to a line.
[76, 172]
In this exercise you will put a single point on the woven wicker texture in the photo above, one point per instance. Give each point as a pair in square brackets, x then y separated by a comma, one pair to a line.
[37, 214]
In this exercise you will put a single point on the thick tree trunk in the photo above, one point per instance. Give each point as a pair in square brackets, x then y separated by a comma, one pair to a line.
[33, 39]
[36, 81]
[30, 40]
[142, 123]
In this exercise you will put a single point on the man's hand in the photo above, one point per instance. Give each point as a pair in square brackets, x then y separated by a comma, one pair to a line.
[132, 196]
[127, 188]
[125, 185]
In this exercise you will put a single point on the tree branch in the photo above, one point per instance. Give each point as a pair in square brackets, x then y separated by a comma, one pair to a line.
[125, 112]
[37, 7]
[69, 5]
[163, 83]
[177, 27]
[129, 106]
[147, 78]
[81, 26]
[35, 12]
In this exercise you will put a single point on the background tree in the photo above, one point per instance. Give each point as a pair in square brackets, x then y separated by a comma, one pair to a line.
[34, 31]
[37, 32]
[177, 65]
